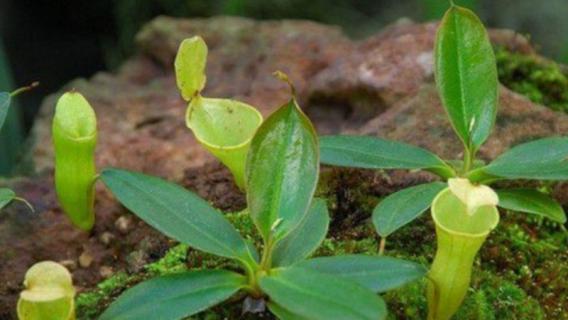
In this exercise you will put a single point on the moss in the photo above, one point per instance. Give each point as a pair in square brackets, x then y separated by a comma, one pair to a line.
[174, 261]
[542, 81]
[91, 303]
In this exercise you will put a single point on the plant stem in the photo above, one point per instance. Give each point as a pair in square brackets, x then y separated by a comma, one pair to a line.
[24, 201]
[382, 244]
[468, 156]
[266, 260]
[24, 89]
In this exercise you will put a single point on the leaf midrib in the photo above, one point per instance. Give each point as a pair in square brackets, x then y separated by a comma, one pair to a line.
[374, 155]
[277, 193]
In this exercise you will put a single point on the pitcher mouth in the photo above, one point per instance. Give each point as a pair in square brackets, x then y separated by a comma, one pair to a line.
[483, 221]
[242, 142]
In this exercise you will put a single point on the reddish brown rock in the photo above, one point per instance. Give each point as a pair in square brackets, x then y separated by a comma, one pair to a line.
[392, 65]
[141, 115]
[421, 120]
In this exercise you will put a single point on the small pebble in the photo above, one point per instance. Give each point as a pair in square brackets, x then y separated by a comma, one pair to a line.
[106, 238]
[69, 264]
[106, 271]
[85, 259]
[122, 224]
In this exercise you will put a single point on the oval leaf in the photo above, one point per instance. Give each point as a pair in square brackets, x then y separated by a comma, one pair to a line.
[175, 296]
[283, 313]
[282, 172]
[5, 99]
[402, 207]
[531, 201]
[544, 159]
[177, 213]
[6, 196]
[378, 274]
[466, 75]
[305, 239]
[376, 153]
[320, 296]
[190, 64]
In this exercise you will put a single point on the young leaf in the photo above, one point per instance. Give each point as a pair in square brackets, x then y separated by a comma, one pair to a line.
[378, 274]
[401, 207]
[377, 153]
[177, 213]
[466, 75]
[282, 171]
[175, 296]
[6, 196]
[305, 239]
[5, 99]
[190, 65]
[531, 201]
[320, 296]
[284, 314]
[544, 159]
[74, 131]
[472, 196]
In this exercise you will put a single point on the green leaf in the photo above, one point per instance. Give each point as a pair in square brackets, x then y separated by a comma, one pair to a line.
[282, 313]
[319, 296]
[177, 213]
[402, 207]
[376, 153]
[6, 196]
[305, 239]
[378, 274]
[282, 172]
[466, 75]
[175, 296]
[531, 201]
[190, 64]
[5, 100]
[544, 159]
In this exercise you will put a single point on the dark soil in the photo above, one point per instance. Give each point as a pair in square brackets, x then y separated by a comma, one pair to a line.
[119, 241]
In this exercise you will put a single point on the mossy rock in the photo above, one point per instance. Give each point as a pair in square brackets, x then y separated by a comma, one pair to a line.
[542, 81]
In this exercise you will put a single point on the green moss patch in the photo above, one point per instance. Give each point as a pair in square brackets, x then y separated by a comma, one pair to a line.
[542, 81]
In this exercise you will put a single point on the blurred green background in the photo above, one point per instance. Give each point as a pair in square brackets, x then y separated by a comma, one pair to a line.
[54, 41]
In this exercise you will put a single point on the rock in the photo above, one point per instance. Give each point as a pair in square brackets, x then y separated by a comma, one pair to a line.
[141, 115]
[391, 66]
[421, 120]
